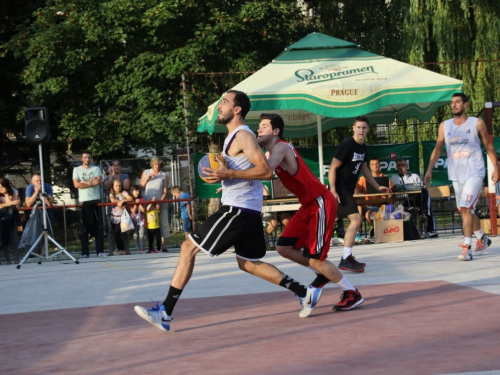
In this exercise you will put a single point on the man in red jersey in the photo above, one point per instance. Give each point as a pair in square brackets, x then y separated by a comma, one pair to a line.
[311, 227]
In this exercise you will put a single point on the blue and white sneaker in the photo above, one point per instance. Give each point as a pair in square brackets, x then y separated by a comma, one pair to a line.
[309, 302]
[358, 238]
[156, 315]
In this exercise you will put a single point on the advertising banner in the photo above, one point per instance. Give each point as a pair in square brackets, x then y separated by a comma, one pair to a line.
[388, 154]
[440, 171]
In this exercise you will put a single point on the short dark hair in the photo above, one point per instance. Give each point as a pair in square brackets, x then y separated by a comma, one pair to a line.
[462, 95]
[401, 159]
[373, 158]
[241, 100]
[87, 152]
[361, 119]
[276, 122]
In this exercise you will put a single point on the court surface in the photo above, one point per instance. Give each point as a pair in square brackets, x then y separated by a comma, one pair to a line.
[424, 313]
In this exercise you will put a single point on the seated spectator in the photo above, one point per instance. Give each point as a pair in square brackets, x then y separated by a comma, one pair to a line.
[33, 195]
[366, 211]
[423, 200]
[285, 218]
[271, 227]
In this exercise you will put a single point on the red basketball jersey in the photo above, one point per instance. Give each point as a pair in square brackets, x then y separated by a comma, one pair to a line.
[304, 184]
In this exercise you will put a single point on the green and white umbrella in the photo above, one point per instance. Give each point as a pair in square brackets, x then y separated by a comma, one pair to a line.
[322, 82]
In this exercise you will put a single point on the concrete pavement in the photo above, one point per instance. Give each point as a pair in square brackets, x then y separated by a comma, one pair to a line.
[403, 283]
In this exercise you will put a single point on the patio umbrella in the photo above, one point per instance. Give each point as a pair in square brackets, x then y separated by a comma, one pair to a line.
[322, 82]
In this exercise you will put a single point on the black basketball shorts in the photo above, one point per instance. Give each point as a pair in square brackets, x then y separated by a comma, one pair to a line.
[347, 205]
[231, 226]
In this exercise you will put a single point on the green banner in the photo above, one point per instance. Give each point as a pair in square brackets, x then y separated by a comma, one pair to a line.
[440, 170]
[388, 154]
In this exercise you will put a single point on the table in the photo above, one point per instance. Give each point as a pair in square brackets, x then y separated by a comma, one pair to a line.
[280, 205]
[383, 198]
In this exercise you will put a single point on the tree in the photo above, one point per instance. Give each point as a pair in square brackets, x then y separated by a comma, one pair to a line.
[109, 71]
[458, 38]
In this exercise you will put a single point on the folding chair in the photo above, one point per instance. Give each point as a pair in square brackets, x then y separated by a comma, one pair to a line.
[442, 205]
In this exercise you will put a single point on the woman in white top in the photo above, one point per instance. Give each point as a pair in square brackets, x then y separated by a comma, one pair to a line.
[154, 182]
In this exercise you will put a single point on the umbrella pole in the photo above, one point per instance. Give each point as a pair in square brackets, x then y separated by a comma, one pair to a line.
[320, 149]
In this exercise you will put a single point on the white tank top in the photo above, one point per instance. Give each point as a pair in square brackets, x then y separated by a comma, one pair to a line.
[236, 192]
[463, 147]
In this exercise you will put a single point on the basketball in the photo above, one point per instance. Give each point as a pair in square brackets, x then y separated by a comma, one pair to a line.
[208, 161]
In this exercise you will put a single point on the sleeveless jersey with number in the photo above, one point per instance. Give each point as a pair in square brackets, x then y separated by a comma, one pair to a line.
[463, 148]
[237, 192]
[304, 184]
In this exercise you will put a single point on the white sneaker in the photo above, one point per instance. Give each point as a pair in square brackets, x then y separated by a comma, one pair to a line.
[309, 302]
[466, 252]
[156, 316]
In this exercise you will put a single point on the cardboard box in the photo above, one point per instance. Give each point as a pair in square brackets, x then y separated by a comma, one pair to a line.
[389, 231]
[486, 226]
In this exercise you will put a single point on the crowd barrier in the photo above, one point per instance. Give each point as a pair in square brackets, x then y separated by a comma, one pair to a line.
[69, 217]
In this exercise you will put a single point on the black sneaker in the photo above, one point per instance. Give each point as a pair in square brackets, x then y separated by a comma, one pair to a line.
[351, 264]
[372, 233]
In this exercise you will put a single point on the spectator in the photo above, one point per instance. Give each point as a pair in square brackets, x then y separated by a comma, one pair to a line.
[33, 195]
[87, 179]
[138, 217]
[115, 173]
[120, 197]
[374, 166]
[10, 220]
[186, 210]
[422, 201]
[153, 219]
[154, 182]
[285, 218]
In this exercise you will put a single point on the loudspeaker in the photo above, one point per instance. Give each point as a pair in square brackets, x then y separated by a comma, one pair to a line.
[36, 124]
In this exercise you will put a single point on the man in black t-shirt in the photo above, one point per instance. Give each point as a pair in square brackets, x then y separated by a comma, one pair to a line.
[349, 160]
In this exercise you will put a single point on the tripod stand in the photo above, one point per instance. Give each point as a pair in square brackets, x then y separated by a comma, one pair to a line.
[45, 233]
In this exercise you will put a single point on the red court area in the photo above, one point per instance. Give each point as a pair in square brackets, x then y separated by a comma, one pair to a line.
[407, 328]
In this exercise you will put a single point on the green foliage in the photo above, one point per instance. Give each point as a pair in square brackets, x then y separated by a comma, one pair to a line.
[459, 37]
[110, 71]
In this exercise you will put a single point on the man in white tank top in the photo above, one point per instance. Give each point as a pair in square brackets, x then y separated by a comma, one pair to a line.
[237, 223]
[462, 136]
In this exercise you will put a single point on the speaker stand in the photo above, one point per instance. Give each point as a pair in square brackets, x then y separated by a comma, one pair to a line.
[45, 234]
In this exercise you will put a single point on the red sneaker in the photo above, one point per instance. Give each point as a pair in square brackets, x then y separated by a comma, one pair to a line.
[349, 300]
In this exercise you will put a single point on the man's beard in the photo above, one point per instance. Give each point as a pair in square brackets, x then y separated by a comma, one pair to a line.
[225, 120]
[458, 114]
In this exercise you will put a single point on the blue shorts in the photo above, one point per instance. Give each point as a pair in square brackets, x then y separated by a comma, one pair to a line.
[187, 225]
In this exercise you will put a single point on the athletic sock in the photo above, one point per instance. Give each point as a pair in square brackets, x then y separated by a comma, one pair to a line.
[347, 252]
[172, 298]
[345, 284]
[479, 234]
[468, 241]
[293, 285]
[320, 281]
